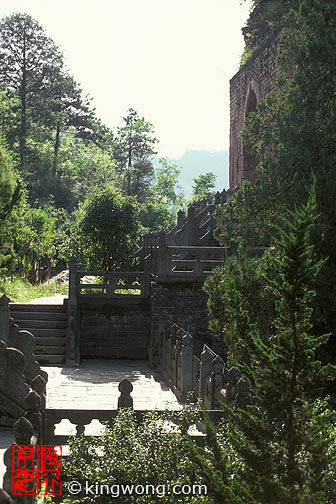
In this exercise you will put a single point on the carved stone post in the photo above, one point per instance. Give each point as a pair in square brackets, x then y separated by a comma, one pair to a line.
[163, 254]
[180, 218]
[125, 399]
[216, 378]
[187, 359]
[178, 347]
[173, 356]
[39, 385]
[23, 431]
[147, 276]
[197, 267]
[5, 498]
[233, 375]
[33, 413]
[191, 226]
[73, 343]
[205, 371]
[243, 397]
[4, 318]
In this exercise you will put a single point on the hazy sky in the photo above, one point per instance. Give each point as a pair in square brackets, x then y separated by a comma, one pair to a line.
[171, 60]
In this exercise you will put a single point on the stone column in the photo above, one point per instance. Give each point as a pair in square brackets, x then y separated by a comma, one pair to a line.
[233, 376]
[73, 343]
[216, 378]
[187, 359]
[33, 413]
[163, 255]
[243, 397]
[191, 226]
[205, 370]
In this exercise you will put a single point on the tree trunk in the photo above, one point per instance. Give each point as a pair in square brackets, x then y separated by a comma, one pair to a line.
[23, 93]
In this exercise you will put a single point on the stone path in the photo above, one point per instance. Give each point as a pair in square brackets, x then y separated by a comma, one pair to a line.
[95, 386]
[57, 299]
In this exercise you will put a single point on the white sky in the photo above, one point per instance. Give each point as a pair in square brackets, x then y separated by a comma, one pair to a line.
[171, 60]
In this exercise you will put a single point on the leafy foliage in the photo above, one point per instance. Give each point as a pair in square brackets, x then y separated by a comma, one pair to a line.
[203, 187]
[9, 197]
[133, 148]
[150, 454]
[246, 275]
[292, 134]
[266, 18]
[106, 226]
[285, 441]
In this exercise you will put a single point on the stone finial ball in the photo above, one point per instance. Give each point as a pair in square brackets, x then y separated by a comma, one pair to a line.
[125, 386]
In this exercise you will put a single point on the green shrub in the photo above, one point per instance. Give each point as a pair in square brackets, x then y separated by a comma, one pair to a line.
[130, 454]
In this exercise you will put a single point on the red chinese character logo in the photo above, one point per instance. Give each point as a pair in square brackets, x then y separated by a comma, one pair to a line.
[34, 467]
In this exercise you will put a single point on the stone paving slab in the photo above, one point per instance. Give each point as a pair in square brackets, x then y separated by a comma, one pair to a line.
[56, 299]
[94, 385]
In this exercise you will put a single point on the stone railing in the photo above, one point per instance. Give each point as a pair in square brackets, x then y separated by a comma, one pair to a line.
[27, 431]
[81, 418]
[192, 230]
[173, 264]
[22, 340]
[110, 284]
[19, 372]
[203, 378]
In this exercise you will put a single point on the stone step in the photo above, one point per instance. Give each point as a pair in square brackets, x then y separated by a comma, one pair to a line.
[49, 350]
[47, 341]
[30, 307]
[41, 332]
[50, 359]
[34, 315]
[43, 324]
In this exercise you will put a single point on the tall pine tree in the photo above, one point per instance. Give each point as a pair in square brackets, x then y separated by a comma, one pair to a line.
[285, 441]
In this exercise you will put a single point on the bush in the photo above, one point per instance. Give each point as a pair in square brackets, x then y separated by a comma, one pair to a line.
[128, 454]
[106, 229]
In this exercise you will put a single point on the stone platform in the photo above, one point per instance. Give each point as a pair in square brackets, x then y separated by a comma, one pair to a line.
[94, 385]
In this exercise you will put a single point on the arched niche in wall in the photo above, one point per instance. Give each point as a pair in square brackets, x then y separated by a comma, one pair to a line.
[250, 160]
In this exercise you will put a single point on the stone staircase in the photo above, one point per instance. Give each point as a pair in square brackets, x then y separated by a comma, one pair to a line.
[48, 324]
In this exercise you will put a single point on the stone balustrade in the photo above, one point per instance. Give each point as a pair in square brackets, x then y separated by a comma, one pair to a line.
[201, 378]
[27, 431]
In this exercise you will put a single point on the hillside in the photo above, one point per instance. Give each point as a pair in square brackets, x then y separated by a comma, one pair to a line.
[193, 163]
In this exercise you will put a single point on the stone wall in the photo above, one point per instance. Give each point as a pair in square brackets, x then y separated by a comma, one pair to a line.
[114, 328]
[252, 83]
[185, 305]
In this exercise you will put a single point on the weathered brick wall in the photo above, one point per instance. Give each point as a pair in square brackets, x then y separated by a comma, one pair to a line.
[117, 329]
[256, 76]
[185, 305]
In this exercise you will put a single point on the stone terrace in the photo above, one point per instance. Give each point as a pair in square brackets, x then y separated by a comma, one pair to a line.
[94, 385]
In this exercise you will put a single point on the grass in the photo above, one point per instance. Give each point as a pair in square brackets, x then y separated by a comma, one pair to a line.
[20, 291]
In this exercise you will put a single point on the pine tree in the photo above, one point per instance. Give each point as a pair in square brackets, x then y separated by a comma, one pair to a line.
[285, 442]
[10, 189]
[283, 439]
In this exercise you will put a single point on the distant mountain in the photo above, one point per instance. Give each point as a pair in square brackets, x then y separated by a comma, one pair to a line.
[194, 163]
